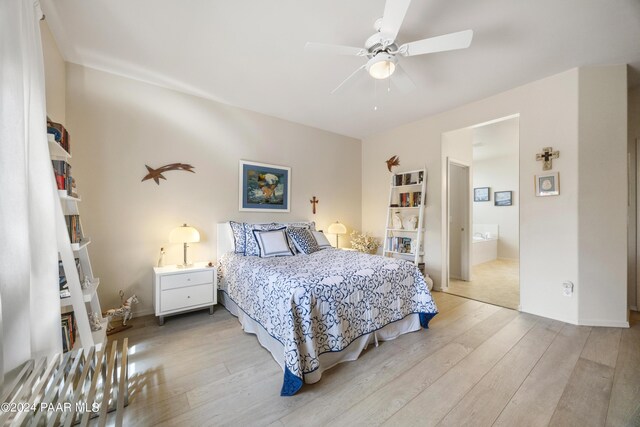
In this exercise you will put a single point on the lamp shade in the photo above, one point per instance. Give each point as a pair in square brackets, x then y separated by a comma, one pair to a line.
[184, 234]
[337, 228]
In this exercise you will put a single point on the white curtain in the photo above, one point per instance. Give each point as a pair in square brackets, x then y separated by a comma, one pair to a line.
[30, 316]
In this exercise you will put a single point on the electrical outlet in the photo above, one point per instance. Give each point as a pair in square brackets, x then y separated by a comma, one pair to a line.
[567, 289]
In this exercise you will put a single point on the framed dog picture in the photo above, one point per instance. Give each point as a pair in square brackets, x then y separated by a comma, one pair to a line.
[264, 187]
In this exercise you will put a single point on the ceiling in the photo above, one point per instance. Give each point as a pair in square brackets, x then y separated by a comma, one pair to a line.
[250, 53]
[498, 139]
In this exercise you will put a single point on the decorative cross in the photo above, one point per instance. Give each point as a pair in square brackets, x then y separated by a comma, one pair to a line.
[546, 156]
[314, 202]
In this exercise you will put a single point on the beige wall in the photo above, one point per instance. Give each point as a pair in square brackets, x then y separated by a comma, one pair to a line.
[602, 195]
[634, 138]
[119, 125]
[550, 249]
[55, 76]
[548, 230]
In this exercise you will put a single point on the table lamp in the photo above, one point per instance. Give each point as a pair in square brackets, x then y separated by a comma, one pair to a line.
[184, 234]
[337, 228]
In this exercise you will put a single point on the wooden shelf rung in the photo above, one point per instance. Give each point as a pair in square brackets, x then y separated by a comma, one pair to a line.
[106, 393]
[123, 381]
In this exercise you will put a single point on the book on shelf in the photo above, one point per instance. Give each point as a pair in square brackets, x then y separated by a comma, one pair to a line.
[73, 226]
[62, 278]
[60, 135]
[68, 327]
[64, 180]
[408, 178]
[410, 199]
[399, 244]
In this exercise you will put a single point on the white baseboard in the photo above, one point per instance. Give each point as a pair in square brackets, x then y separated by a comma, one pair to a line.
[603, 323]
[547, 316]
[633, 308]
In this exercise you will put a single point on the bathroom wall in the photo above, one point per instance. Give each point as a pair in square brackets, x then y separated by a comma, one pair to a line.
[495, 165]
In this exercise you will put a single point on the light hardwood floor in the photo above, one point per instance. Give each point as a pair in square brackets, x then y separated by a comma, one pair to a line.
[477, 365]
[496, 282]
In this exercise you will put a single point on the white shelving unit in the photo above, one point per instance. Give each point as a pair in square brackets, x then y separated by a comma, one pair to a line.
[82, 301]
[415, 181]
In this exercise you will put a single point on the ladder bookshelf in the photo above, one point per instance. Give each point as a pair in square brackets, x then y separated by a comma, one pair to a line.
[75, 263]
[404, 232]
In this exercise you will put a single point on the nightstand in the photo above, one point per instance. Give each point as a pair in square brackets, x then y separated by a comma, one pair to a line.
[176, 290]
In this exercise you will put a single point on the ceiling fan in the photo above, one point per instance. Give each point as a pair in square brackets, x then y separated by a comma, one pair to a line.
[382, 51]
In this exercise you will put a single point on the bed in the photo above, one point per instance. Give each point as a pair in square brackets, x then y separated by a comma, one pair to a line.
[314, 311]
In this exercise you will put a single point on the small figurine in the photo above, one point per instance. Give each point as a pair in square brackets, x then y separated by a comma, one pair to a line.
[397, 221]
[85, 283]
[94, 322]
[124, 311]
[414, 222]
[161, 259]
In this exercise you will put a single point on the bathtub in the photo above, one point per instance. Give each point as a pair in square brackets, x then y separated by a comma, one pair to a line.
[484, 247]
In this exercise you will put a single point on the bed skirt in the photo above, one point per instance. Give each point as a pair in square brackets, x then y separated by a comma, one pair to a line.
[411, 323]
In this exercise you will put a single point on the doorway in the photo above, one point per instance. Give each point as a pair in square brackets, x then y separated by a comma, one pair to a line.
[481, 236]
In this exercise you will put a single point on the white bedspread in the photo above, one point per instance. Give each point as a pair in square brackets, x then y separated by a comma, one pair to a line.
[322, 302]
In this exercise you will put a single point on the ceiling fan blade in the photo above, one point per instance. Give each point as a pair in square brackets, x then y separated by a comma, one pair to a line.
[334, 49]
[402, 80]
[351, 76]
[394, 12]
[453, 41]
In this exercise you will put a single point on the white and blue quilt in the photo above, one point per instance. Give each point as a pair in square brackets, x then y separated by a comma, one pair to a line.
[318, 303]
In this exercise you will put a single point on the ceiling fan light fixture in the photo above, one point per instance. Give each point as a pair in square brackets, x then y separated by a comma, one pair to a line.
[381, 66]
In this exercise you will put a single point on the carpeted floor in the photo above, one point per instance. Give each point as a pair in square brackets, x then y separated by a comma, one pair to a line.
[495, 282]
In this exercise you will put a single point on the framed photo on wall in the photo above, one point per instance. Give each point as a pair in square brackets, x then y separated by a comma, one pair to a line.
[264, 187]
[482, 194]
[503, 198]
[548, 184]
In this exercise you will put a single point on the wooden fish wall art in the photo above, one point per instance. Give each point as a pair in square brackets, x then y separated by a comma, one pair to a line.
[157, 174]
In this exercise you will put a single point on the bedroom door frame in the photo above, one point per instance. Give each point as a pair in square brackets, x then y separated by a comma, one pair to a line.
[466, 242]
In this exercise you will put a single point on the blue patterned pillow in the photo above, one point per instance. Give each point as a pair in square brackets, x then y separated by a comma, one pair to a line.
[251, 247]
[239, 238]
[311, 225]
[303, 240]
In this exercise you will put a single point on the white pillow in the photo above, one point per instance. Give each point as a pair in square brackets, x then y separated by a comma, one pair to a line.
[273, 243]
[322, 240]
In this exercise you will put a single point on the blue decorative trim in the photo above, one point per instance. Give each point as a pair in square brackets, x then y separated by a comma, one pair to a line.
[425, 318]
[291, 383]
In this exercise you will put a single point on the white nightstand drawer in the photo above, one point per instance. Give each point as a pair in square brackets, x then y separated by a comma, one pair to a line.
[190, 296]
[172, 281]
